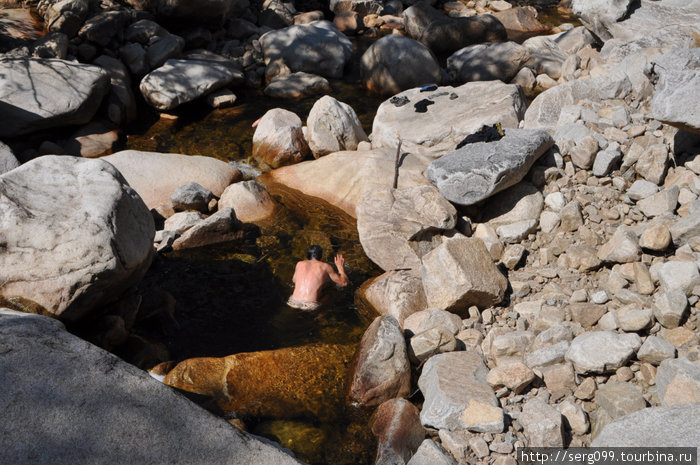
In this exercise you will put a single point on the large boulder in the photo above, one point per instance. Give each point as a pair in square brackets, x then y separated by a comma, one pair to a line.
[395, 63]
[597, 15]
[279, 140]
[460, 273]
[222, 226]
[477, 171]
[65, 16]
[487, 62]
[520, 20]
[451, 114]
[333, 126]
[676, 98]
[297, 85]
[602, 351]
[453, 384]
[396, 293]
[399, 433]
[75, 235]
[283, 383]
[347, 176]
[8, 161]
[90, 407]
[156, 176]
[249, 199]
[317, 48]
[181, 81]
[676, 426]
[37, 93]
[444, 34]
[380, 369]
[398, 226]
[545, 56]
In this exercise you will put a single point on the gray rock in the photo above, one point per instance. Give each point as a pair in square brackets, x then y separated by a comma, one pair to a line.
[121, 102]
[279, 140]
[75, 234]
[460, 273]
[641, 189]
[477, 171]
[513, 374]
[605, 162]
[397, 293]
[571, 216]
[222, 226]
[432, 318]
[542, 424]
[548, 355]
[333, 126]
[432, 341]
[522, 202]
[181, 81]
[655, 350]
[619, 399]
[397, 227]
[431, 453]
[449, 382]
[487, 62]
[449, 120]
[317, 48]
[44, 93]
[678, 382]
[381, 368]
[682, 276]
[395, 63]
[661, 203]
[163, 49]
[102, 27]
[685, 229]
[623, 247]
[596, 14]
[675, 100]
[8, 161]
[362, 7]
[249, 199]
[297, 85]
[670, 307]
[602, 351]
[144, 30]
[677, 426]
[135, 58]
[545, 56]
[192, 196]
[222, 98]
[182, 221]
[75, 388]
[632, 318]
[66, 16]
[652, 163]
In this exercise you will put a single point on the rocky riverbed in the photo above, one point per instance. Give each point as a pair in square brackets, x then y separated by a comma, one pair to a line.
[530, 209]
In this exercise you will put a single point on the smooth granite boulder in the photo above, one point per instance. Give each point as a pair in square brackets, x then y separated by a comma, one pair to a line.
[333, 126]
[487, 62]
[74, 234]
[37, 93]
[279, 140]
[479, 170]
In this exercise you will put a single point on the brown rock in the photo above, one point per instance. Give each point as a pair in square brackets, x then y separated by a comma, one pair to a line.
[587, 314]
[396, 424]
[396, 293]
[514, 375]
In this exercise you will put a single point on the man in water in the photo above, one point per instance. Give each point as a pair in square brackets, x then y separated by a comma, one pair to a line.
[311, 275]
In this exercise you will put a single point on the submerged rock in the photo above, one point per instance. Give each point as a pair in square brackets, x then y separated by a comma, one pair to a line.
[90, 407]
[398, 430]
[283, 383]
[44, 93]
[75, 235]
[477, 171]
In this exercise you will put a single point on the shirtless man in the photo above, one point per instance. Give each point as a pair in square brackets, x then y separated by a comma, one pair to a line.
[311, 275]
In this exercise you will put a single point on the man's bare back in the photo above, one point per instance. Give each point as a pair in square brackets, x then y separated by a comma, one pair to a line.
[311, 275]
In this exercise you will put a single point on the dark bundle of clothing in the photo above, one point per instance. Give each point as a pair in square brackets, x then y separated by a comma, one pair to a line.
[485, 134]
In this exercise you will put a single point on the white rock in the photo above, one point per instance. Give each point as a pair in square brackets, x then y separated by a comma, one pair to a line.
[602, 351]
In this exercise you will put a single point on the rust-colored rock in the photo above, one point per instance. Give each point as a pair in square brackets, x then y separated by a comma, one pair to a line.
[293, 382]
[396, 424]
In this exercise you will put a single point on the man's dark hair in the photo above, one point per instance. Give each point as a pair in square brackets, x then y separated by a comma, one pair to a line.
[315, 251]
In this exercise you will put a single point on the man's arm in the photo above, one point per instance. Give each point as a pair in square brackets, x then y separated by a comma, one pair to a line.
[340, 278]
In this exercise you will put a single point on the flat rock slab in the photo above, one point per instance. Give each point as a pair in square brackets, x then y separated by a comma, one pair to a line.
[677, 426]
[90, 407]
[37, 93]
[74, 234]
[156, 176]
[348, 175]
[602, 351]
[479, 170]
[181, 81]
[448, 382]
[455, 113]
[676, 98]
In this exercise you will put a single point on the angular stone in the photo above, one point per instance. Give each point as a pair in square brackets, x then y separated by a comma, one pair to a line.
[583, 257]
[632, 318]
[192, 196]
[652, 163]
[542, 424]
[75, 235]
[587, 314]
[682, 276]
[619, 399]
[641, 189]
[80, 385]
[222, 226]
[571, 217]
[279, 140]
[482, 417]
[514, 375]
[395, 63]
[575, 416]
[487, 62]
[182, 221]
[432, 341]
[583, 155]
[670, 308]
[397, 227]
[431, 453]
[508, 344]
[398, 430]
[656, 237]
[661, 203]
[512, 255]
[397, 293]
[678, 382]
[559, 378]
[545, 56]
[433, 318]
[675, 94]
[44, 93]
[460, 273]
[381, 368]
[449, 120]
[595, 14]
[602, 351]
[8, 161]
[181, 81]
[249, 199]
[333, 126]
[520, 203]
[487, 235]
[605, 161]
[516, 232]
[448, 382]
[222, 98]
[685, 229]
[655, 350]
[477, 171]
[547, 355]
[622, 247]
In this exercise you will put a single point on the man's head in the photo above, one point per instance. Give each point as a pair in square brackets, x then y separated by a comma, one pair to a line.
[314, 252]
